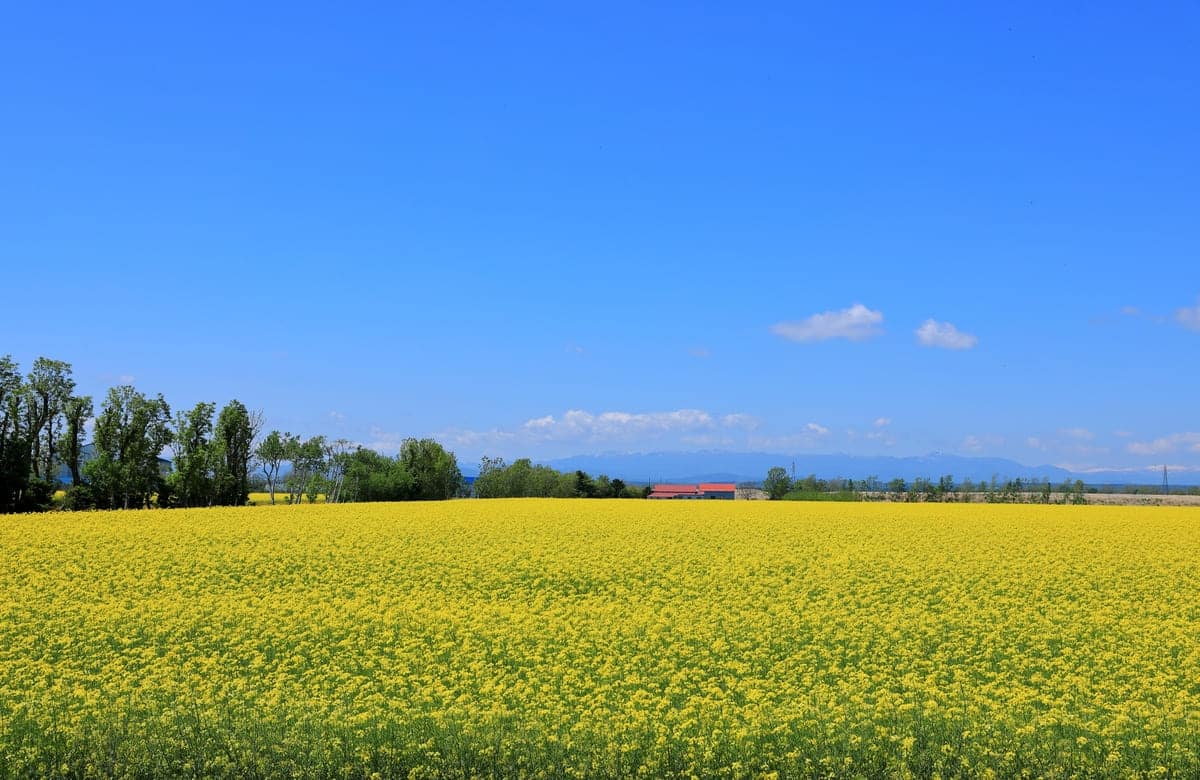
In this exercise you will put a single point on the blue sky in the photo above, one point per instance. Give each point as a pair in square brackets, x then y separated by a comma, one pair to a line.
[545, 229]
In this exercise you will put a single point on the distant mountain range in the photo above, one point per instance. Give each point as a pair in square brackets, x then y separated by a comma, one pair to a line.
[719, 466]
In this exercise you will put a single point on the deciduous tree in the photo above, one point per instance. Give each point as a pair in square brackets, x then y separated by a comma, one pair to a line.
[434, 469]
[76, 413]
[234, 437]
[270, 454]
[193, 478]
[777, 484]
[131, 432]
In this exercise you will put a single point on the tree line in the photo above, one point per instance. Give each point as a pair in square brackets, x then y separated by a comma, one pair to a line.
[779, 486]
[423, 470]
[523, 479]
[216, 456]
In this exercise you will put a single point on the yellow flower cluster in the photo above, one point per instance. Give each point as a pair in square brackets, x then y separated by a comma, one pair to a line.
[542, 638]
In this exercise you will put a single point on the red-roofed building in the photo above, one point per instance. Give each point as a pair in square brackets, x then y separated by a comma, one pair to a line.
[719, 490]
[675, 491]
[724, 490]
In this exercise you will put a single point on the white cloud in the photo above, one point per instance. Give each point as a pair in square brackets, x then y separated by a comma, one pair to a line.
[386, 442]
[944, 335]
[1138, 313]
[1189, 441]
[1035, 443]
[1156, 447]
[810, 435]
[738, 420]
[883, 422]
[1189, 317]
[577, 424]
[1079, 434]
[856, 323]
[455, 439]
[581, 428]
[540, 423]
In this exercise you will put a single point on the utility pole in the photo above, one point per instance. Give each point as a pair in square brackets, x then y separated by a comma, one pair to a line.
[1166, 487]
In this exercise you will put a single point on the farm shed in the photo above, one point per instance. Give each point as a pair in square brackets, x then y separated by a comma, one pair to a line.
[718, 490]
[723, 490]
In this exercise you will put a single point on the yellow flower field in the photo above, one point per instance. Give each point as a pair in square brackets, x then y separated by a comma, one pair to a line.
[602, 638]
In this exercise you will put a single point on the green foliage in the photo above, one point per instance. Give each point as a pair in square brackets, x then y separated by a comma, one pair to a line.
[270, 454]
[434, 470]
[14, 446]
[822, 495]
[422, 471]
[584, 486]
[31, 421]
[48, 388]
[79, 497]
[370, 476]
[777, 484]
[192, 482]
[233, 440]
[522, 479]
[131, 431]
[76, 413]
[307, 459]
[42, 428]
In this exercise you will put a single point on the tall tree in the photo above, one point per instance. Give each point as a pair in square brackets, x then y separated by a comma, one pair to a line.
[434, 469]
[49, 386]
[337, 458]
[270, 455]
[370, 476]
[584, 486]
[307, 459]
[193, 482]
[76, 413]
[131, 431]
[777, 483]
[235, 432]
[14, 446]
[490, 482]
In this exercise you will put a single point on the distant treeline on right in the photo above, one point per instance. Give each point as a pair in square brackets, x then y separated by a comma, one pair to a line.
[523, 479]
[778, 485]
